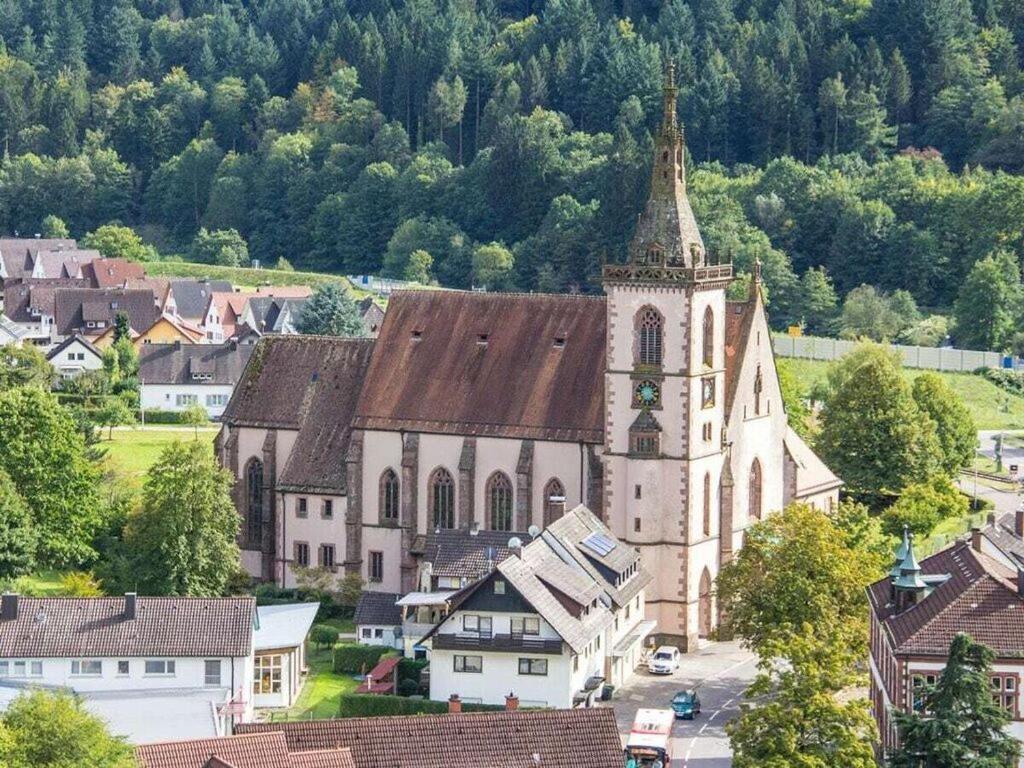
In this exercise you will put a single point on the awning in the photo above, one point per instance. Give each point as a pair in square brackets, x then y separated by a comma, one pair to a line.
[638, 635]
[426, 598]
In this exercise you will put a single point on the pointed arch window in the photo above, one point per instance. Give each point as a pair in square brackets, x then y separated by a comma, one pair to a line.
[650, 329]
[389, 496]
[499, 502]
[754, 490]
[708, 336]
[554, 501]
[758, 386]
[442, 498]
[707, 503]
[254, 501]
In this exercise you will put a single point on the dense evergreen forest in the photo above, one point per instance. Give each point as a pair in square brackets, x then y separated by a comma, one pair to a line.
[469, 141]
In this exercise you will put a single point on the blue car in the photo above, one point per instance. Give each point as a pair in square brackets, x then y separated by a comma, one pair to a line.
[686, 704]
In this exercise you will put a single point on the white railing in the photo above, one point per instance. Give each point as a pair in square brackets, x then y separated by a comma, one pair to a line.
[932, 358]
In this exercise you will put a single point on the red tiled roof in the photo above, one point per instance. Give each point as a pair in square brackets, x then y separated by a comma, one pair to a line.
[979, 597]
[488, 364]
[98, 627]
[562, 738]
[112, 273]
[322, 758]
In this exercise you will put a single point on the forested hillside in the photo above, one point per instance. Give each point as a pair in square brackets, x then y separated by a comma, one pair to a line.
[507, 143]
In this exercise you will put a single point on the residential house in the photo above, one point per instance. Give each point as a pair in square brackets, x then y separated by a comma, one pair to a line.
[223, 315]
[253, 750]
[273, 315]
[175, 376]
[973, 586]
[31, 304]
[552, 622]
[170, 330]
[11, 332]
[90, 312]
[373, 316]
[577, 738]
[74, 356]
[152, 667]
[106, 339]
[112, 273]
[657, 405]
[63, 263]
[280, 653]
[192, 297]
[161, 288]
[378, 619]
[18, 254]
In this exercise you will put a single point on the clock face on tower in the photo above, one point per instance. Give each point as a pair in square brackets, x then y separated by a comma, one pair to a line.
[646, 393]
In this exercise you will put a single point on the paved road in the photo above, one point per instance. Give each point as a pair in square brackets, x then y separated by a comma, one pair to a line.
[721, 671]
[1013, 449]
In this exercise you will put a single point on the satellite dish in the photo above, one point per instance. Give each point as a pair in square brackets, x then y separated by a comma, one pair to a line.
[515, 543]
[534, 531]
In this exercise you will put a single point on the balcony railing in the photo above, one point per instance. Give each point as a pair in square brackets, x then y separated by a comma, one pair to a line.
[488, 642]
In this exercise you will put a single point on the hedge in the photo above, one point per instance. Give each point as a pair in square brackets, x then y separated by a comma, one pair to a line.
[157, 416]
[366, 705]
[355, 659]
[411, 669]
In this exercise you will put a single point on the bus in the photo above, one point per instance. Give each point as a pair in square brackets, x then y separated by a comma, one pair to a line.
[650, 736]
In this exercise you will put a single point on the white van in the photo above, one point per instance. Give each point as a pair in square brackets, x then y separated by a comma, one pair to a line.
[650, 736]
[664, 661]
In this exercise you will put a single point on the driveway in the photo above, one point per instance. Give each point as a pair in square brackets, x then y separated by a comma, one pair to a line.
[721, 672]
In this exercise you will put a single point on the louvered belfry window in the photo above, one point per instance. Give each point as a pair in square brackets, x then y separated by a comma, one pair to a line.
[649, 328]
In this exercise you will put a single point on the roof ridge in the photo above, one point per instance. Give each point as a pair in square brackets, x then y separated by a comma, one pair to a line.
[229, 737]
[497, 294]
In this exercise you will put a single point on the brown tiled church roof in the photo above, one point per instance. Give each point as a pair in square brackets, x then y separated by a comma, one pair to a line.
[502, 365]
[317, 462]
[979, 597]
[561, 738]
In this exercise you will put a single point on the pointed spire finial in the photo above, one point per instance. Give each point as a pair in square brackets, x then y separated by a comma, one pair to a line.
[669, 121]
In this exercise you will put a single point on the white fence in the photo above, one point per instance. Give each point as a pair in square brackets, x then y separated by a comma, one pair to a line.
[933, 358]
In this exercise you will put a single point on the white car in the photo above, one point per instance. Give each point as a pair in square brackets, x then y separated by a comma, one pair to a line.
[665, 661]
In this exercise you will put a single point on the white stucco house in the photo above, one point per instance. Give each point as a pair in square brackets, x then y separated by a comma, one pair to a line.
[552, 622]
[74, 356]
[176, 376]
[153, 667]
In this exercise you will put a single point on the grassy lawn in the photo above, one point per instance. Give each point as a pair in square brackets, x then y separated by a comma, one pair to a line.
[41, 583]
[991, 407]
[135, 450]
[242, 277]
[319, 697]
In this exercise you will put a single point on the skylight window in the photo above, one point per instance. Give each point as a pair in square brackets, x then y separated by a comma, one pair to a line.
[599, 544]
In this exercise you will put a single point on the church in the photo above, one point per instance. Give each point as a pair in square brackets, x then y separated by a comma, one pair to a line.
[657, 406]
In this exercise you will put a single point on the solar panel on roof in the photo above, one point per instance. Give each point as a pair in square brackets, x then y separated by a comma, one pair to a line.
[599, 543]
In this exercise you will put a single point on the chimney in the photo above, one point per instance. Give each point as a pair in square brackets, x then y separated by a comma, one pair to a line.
[1018, 521]
[129, 605]
[511, 702]
[976, 539]
[8, 606]
[454, 704]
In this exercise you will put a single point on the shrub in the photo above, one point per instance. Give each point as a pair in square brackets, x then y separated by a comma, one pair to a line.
[323, 635]
[355, 659]
[408, 687]
[365, 705]
[411, 669]
[156, 416]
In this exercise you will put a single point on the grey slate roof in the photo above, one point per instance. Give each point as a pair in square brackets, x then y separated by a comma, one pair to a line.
[22, 296]
[460, 554]
[98, 627]
[18, 254]
[191, 297]
[64, 262]
[74, 307]
[378, 608]
[275, 315]
[177, 363]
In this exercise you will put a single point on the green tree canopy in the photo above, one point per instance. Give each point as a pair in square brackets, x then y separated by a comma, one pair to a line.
[41, 729]
[17, 533]
[331, 311]
[224, 247]
[182, 540]
[54, 226]
[989, 303]
[116, 241]
[873, 434]
[922, 506]
[44, 455]
[954, 426]
[963, 726]
[24, 366]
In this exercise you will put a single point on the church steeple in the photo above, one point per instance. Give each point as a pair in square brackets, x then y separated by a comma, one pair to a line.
[666, 233]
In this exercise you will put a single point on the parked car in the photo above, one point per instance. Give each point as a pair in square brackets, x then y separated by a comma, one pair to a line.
[686, 704]
[665, 661]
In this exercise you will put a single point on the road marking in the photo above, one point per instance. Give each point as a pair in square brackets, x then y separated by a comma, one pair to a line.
[723, 708]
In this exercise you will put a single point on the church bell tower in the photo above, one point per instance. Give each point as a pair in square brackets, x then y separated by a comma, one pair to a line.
[665, 393]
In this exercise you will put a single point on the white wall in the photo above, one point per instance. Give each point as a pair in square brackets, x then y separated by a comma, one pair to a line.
[165, 396]
[67, 363]
[500, 676]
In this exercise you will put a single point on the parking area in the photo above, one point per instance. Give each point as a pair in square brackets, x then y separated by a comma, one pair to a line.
[720, 672]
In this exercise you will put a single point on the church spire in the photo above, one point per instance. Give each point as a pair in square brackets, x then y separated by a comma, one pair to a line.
[666, 233]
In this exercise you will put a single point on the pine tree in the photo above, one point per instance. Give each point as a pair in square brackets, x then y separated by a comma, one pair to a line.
[331, 311]
[960, 725]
